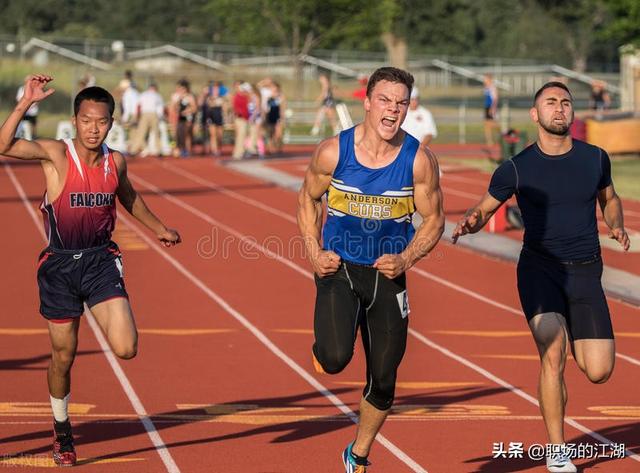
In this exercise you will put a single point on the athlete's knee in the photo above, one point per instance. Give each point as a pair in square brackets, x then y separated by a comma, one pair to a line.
[62, 360]
[380, 398]
[553, 360]
[126, 351]
[599, 374]
[332, 361]
[380, 391]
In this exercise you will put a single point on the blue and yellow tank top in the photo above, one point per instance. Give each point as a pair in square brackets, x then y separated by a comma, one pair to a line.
[369, 211]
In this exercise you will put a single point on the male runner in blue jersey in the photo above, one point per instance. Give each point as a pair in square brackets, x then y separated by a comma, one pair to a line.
[557, 181]
[375, 176]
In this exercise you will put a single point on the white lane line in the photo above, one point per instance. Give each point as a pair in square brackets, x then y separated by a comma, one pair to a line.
[412, 464]
[228, 192]
[141, 412]
[466, 291]
[416, 334]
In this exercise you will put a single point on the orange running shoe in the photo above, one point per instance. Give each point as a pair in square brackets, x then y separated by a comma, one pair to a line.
[316, 364]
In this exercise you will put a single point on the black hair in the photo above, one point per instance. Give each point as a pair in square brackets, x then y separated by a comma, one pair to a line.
[549, 85]
[94, 94]
[390, 74]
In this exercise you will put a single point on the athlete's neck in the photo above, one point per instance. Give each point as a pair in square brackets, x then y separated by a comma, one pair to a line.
[377, 149]
[554, 145]
[91, 157]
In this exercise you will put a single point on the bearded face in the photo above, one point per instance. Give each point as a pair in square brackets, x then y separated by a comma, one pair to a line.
[553, 111]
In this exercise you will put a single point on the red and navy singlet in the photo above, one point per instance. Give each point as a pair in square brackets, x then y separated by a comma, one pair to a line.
[84, 214]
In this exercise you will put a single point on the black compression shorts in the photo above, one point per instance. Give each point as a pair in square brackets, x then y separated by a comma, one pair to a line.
[573, 290]
[359, 296]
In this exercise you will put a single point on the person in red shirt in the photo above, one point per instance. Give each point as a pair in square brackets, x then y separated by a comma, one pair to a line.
[361, 92]
[81, 265]
[241, 111]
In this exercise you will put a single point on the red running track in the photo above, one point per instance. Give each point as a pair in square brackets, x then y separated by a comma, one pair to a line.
[224, 371]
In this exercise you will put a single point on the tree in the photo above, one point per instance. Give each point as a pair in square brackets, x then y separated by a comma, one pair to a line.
[580, 19]
[623, 26]
[298, 26]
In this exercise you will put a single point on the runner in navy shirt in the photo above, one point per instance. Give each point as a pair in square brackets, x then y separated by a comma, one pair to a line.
[556, 182]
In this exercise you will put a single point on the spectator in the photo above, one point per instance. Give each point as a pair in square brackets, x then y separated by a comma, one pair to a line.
[129, 104]
[241, 114]
[275, 119]
[187, 108]
[327, 106]
[151, 112]
[361, 92]
[600, 99]
[490, 94]
[255, 145]
[419, 121]
[214, 108]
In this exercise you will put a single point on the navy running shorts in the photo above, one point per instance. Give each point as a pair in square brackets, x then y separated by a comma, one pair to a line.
[69, 278]
[573, 290]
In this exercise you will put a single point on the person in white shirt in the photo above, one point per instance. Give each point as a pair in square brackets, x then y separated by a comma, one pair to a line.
[419, 122]
[151, 108]
[130, 98]
[31, 115]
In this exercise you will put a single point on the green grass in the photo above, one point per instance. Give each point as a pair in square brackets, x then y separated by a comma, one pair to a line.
[626, 176]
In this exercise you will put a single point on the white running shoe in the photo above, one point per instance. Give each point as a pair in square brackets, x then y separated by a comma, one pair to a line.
[560, 463]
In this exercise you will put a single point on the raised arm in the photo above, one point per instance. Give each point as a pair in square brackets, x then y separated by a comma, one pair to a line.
[611, 207]
[34, 91]
[135, 205]
[316, 182]
[427, 197]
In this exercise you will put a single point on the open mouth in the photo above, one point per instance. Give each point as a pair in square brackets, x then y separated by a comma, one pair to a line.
[388, 121]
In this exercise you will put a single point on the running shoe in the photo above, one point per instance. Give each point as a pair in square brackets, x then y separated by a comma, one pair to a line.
[316, 364]
[350, 465]
[560, 463]
[64, 453]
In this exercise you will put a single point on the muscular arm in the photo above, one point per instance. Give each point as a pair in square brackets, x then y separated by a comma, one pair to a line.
[309, 215]
[135, 205]
[611, 207]
[427, 197]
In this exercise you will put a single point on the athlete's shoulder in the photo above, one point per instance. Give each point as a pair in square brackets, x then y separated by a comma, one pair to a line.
[425, 164]
[50, 145]
[119, 160]
[582, 147]
[326, 155]
[527, 153]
